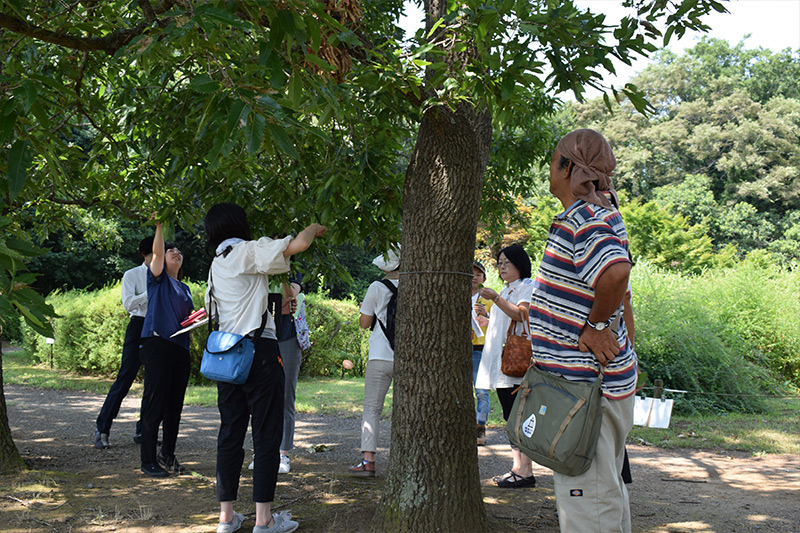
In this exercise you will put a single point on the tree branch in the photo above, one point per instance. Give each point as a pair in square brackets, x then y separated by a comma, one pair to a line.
[147, 10]
[109, 44]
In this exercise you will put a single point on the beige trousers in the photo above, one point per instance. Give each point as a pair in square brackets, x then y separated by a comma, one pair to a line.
[377, 379]
[597, 500]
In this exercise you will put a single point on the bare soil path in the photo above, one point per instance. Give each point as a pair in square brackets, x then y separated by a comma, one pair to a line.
[73, 487]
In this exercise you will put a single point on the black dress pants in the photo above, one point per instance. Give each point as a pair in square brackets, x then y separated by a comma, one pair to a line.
[128, 368]
[166, 374]
[258, 401]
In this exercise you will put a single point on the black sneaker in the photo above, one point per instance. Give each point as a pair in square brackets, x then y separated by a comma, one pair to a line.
[154, 470]
[101, 440]
[137, 438]
[170, 464]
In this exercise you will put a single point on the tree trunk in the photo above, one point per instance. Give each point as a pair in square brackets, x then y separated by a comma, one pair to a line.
[433, 482]
[10, 459]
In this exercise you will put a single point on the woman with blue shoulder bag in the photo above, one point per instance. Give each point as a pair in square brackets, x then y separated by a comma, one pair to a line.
[239, 281]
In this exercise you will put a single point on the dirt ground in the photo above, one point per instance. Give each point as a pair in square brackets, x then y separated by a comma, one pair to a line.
[74, 487]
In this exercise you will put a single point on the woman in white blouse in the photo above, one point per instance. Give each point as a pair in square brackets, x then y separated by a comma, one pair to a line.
[239, 278]
[514, 267]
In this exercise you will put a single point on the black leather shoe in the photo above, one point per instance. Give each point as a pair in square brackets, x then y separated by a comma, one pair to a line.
[511, 480]
[170, 464]
[154, 470]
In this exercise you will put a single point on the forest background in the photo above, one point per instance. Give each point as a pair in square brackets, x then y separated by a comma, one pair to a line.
[710, 192]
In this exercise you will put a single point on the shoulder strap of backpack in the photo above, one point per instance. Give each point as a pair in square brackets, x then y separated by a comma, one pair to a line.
[389, 285]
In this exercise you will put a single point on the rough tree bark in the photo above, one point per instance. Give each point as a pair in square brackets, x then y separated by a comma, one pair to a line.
[10, 459]
[433, 482]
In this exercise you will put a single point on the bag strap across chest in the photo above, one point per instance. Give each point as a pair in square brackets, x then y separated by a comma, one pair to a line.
[213, 321]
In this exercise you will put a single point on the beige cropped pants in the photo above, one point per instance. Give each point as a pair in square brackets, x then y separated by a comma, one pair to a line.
[377, 379]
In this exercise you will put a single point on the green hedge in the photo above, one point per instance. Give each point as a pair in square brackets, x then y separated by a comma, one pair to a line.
[91, 328]
[335, 336]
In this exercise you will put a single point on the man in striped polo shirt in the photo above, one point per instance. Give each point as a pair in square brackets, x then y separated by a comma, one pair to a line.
[576, 322]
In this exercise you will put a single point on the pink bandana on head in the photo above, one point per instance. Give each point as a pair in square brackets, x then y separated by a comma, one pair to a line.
[593, 164]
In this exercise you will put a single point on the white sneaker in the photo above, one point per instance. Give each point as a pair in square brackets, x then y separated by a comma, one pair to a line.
[284, 467]
[252, 463]
[282, 523]
[233, 525]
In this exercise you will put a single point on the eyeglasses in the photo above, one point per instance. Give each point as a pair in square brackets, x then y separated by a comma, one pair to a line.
[503, 263]
[175, 251]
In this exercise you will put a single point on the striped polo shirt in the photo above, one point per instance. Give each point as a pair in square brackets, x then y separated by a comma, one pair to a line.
[583, 242]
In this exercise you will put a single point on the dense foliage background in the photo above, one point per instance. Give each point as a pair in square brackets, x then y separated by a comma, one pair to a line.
[727, 336]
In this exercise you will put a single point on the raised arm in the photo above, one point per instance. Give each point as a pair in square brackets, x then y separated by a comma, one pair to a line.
[157, 264]
[304, 239]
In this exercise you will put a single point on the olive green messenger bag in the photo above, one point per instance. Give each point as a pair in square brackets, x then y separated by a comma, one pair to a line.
[556, 422]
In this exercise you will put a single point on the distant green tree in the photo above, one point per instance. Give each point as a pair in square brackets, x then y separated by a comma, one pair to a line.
[721, 148]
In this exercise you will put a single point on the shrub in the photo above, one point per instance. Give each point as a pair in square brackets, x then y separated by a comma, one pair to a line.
[684, 336]
[90, 330]
[11, 329]
[335, 336]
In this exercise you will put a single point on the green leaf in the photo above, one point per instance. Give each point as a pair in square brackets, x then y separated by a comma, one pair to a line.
[280, 137]
[254, 132]
[26, 94]
[25, 247]
[204, 84]
[311, 58]
[234, 117]
[7, 127]
[295, 88]
[19, 159]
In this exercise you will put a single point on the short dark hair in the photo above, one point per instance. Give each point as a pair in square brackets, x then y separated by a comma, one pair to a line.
[146, 246]
[225, 221]
[519, 258]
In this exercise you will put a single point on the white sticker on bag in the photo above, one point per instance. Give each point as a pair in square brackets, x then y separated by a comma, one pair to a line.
[542, 410]
[529, 426]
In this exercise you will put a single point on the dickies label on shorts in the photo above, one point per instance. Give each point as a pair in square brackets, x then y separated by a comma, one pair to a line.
[576, 493]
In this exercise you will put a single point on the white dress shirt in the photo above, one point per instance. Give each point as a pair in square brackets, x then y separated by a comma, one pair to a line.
[241, 283]
[134, 291]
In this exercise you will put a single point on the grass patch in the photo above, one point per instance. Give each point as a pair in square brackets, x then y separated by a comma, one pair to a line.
[775, 431]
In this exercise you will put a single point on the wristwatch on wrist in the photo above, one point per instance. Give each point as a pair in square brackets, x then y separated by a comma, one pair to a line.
[598, 326]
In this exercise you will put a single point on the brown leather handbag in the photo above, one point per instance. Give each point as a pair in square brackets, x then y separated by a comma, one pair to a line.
[517, 352]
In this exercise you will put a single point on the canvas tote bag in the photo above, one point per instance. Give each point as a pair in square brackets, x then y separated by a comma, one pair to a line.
[556, 422]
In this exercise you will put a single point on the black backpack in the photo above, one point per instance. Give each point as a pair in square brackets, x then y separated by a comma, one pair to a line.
[391, 311]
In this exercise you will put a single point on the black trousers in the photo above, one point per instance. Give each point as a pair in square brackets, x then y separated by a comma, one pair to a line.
[258, 401]
[166, 374]
[128, 368]
[506, 397]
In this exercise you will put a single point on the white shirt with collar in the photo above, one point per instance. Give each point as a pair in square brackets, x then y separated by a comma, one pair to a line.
[489, 374]
[134, 291]
[240, 283]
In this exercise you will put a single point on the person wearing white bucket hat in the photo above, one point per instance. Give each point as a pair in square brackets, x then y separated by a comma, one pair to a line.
[375, 311]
